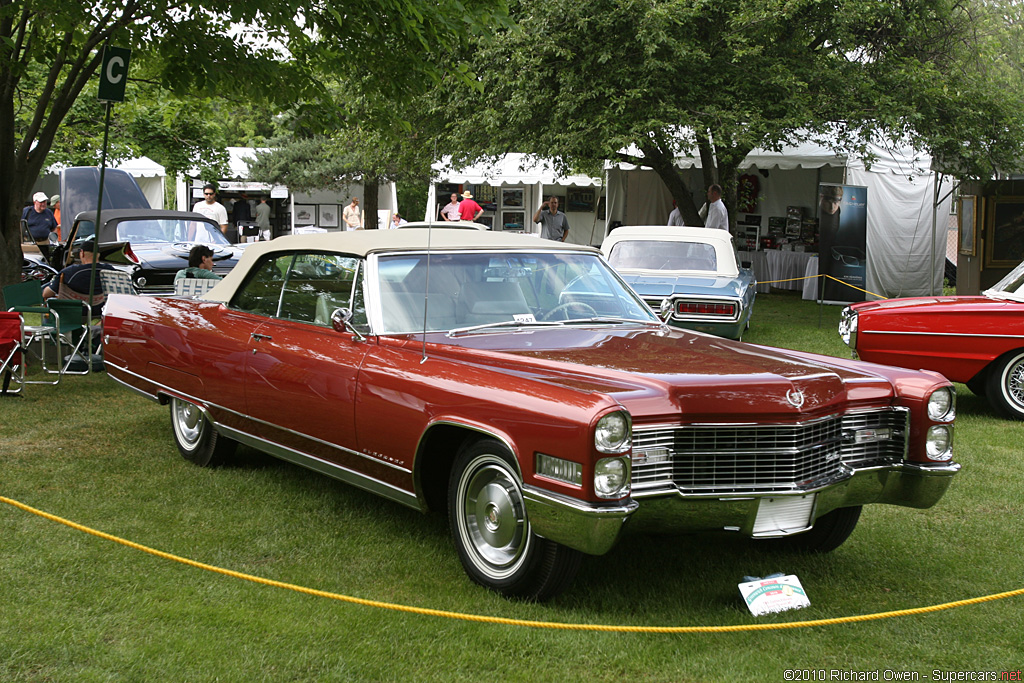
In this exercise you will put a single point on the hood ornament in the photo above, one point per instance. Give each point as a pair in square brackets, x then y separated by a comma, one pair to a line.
[795, 398]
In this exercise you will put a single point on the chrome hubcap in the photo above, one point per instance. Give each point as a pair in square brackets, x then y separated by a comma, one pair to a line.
[493, 519]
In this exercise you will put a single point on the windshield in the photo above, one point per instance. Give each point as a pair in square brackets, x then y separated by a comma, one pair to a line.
[470, 289]
[1010, 287]
[153, 230]
[666, 255]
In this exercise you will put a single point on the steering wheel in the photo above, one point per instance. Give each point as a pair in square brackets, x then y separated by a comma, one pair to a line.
[564, 310]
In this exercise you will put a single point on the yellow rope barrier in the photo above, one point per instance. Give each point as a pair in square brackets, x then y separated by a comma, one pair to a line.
[514, 622]
[815, 277]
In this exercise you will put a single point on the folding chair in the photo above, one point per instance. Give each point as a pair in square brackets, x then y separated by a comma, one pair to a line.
[11, 367]
[68, 317]
[27, 298]
[116, 282]
[192, 287]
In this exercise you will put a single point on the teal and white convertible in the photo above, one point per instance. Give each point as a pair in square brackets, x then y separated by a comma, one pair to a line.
[688, 274]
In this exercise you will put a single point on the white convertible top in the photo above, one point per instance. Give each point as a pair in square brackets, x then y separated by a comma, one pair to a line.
[360, 243]
[721, 240]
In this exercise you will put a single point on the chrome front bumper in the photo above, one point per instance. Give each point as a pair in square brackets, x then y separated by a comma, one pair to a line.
[668, 510]
[594, 529]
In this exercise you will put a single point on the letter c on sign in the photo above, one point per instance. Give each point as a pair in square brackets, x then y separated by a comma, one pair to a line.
[115, 62]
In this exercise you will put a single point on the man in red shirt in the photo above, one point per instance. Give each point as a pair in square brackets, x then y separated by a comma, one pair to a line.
[468, 209]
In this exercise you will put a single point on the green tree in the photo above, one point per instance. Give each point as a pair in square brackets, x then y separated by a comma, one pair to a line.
[584, 81]
[50, 51]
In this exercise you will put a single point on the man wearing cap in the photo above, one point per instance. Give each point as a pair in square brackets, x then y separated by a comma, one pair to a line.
[39, 218]
[77, 277]
[468, 209]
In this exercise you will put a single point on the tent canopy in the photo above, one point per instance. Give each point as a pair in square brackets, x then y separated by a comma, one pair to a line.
[511, 169]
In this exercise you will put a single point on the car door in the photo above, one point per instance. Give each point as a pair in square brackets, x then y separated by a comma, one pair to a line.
[301, 374]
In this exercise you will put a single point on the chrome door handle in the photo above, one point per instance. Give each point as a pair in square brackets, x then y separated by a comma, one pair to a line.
[261, 337]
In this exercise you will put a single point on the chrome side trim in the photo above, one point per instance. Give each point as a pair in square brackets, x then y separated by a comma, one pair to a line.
[206, 404]
[140, 392]
[329, 469]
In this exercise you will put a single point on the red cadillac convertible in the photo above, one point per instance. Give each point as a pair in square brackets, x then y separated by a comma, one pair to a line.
[521, 387]
[976, 340]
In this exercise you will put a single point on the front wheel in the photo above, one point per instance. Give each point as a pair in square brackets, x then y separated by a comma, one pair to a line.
[197, 439]
[491, 530]
[1004, 387]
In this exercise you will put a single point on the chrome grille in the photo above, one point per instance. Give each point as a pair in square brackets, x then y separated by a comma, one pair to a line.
[763, 458]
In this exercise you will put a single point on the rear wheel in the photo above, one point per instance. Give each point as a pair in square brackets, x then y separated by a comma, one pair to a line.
[1004, 387]
[197, 439]
[830, 531]
[491, 530]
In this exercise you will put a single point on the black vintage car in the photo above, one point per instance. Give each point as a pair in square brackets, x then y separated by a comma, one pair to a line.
[152, 244]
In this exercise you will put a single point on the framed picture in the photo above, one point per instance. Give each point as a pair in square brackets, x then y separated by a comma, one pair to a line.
[486, 220]
[513, 220]
[967, 211]
[512, 197]
[328, 215]
[581, 200]
[305, 214]
[1005, 242]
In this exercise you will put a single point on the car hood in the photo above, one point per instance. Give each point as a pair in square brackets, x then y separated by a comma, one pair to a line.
[658, 374]
[174, 255]
[931, 304]
[662, 285]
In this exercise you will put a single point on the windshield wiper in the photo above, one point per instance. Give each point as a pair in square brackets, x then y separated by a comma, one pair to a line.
[504, 323]
[613, 320]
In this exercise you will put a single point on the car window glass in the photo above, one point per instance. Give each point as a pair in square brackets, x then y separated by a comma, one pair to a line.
[466, 289]
[663, 255]
[315, 285]
[261, 292]
[141, 231]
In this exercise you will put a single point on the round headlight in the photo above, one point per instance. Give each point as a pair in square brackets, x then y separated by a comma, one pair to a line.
[612, 434]
[942, 405]
[611, 477]
[938, 443]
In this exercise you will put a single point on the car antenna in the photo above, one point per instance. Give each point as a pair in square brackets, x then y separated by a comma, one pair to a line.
[426, 297]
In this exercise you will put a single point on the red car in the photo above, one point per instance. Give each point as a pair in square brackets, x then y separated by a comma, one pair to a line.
[521, 387]
[976, 340]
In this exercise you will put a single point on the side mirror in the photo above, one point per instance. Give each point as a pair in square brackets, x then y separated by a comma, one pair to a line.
[341, 321]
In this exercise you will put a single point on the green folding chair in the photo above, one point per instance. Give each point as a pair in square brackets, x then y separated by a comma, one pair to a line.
[26, 298]
[71, 332]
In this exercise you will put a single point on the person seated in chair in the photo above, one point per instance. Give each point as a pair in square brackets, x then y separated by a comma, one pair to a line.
[200, 264]
[73, 282]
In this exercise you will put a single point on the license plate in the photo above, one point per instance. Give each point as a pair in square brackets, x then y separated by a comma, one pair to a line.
[783, 514]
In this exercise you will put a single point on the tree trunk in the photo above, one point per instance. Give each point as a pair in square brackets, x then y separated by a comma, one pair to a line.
[370, 201]
[663, 164]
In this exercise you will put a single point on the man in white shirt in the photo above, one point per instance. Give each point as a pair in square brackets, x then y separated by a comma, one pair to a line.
[718, 217]
[451, 211]
[211, 208]
[676, 217]
[352, 217]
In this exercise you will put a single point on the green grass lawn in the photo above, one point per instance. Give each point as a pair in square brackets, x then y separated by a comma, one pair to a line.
[79, 608]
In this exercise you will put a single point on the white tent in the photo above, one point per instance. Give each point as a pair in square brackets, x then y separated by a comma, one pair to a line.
[150, 176]
[538, 180]
[908, 204]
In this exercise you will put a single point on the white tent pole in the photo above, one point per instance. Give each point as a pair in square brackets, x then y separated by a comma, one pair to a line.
[935, 210]
[431, 202]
